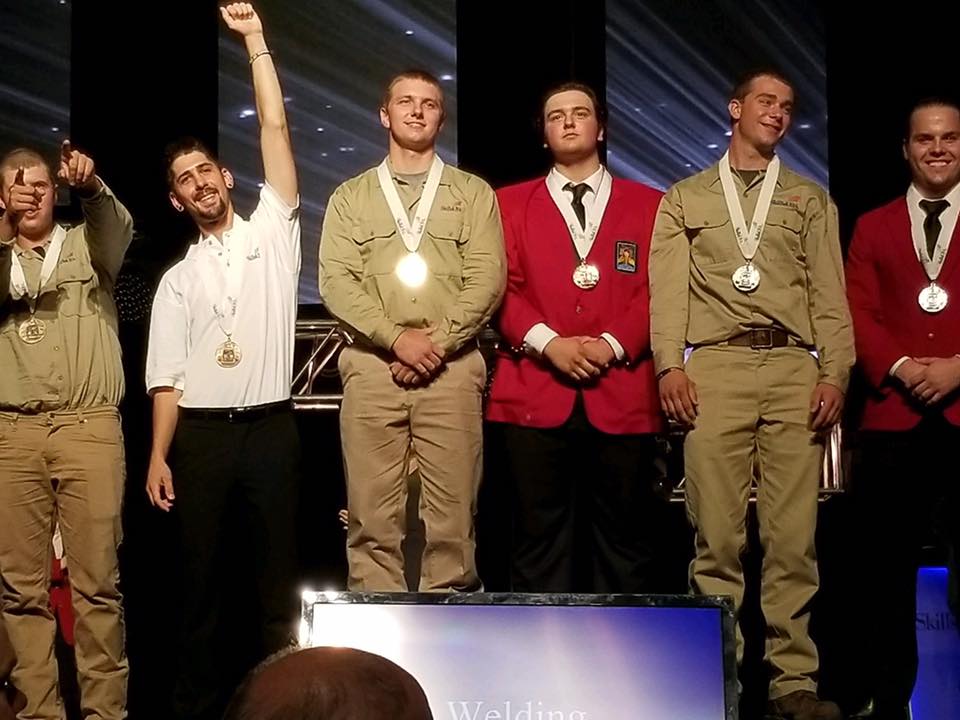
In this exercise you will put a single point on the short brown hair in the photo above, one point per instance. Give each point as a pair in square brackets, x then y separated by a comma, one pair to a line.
[414, 74]
[25, 157]
[329, 682]
[598, 107]
[185, 146]
[743, 83]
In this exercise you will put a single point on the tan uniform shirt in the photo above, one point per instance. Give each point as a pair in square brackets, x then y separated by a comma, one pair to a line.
[694, 253]
[77, 363]
[462, 246]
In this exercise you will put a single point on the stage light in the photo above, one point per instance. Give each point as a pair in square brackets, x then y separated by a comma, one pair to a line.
[375, 629]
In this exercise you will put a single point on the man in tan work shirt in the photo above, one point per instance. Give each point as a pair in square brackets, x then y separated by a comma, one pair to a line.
[412, 262]
[754, 303]
[61, 451]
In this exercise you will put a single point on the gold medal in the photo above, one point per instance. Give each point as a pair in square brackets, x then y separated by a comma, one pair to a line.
[586, 276]
[32, 331]
[228, 354]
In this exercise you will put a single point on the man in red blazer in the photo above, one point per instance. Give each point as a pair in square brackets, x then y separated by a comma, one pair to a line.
[903, 282]
[574, 386]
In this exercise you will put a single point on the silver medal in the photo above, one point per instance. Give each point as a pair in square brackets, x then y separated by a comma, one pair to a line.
[933, 298]
[746, 278]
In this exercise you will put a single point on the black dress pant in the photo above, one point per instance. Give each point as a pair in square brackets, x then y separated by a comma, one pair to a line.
[584, 509]
[905, 493]
[224, 466]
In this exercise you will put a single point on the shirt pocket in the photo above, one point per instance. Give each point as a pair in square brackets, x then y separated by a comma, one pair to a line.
[783, 235]
[379, 248]
[444, 253]
[711, 237]
[76, 285]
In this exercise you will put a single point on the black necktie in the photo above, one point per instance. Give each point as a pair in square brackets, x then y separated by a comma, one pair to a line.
[578, 190]
[931, 226]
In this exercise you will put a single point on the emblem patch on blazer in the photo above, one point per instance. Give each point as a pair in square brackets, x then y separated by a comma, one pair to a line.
[626, 258]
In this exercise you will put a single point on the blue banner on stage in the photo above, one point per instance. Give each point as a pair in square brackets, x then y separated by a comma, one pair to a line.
[937, 693]
[544, 657]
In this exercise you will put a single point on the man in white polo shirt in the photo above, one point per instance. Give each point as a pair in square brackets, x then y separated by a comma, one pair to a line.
[219, 367]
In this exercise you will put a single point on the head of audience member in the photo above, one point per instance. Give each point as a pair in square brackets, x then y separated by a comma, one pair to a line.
[329, 683]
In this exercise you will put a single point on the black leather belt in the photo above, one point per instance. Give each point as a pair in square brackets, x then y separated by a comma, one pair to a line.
[236, 414]
[760, 338]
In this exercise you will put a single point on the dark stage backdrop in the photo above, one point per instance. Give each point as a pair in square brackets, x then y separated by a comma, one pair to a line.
[35, 83]
[672, 63]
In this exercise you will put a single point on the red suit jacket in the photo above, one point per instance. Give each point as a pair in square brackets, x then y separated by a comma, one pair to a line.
[541, 259]
[884, 278]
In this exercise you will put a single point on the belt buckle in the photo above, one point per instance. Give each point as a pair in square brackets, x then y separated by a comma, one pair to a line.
[761, 338]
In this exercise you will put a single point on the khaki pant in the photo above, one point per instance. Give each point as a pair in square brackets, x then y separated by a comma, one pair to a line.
[66, 467]
[753, 421]
[389, 431]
